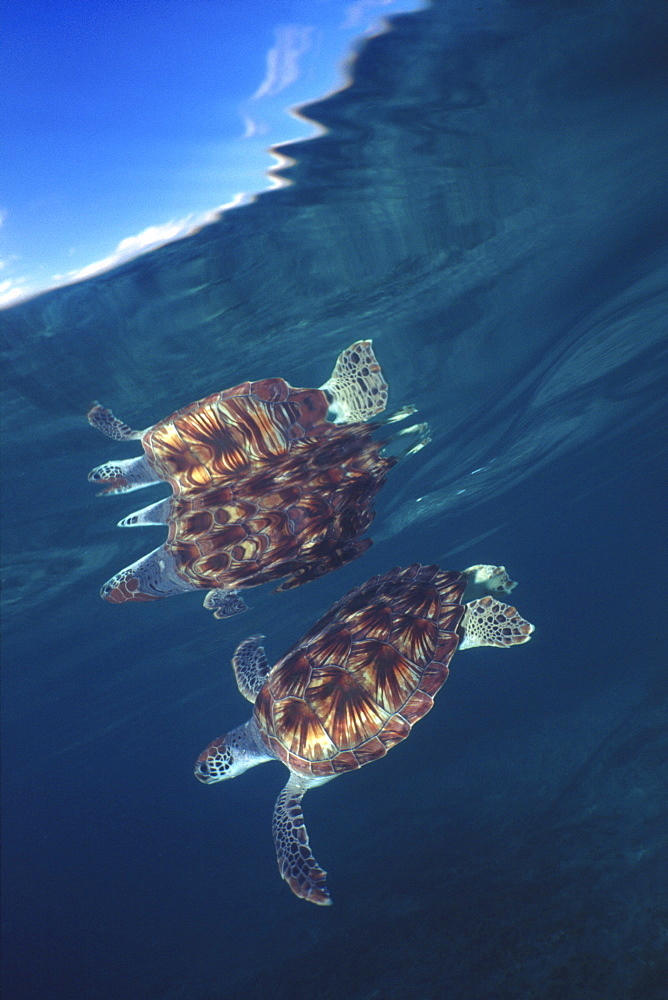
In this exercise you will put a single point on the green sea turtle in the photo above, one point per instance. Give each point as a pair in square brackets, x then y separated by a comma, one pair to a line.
[350, 689]
[268, 482]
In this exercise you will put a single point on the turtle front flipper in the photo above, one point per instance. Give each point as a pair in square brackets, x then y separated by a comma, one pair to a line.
[124, 476]
[250, 667]
[150, 578]
[295, 862]
[488, 622]
[104, 420]
[356, 388]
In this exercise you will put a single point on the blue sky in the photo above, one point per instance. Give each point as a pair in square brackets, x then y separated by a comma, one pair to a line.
[126, 123]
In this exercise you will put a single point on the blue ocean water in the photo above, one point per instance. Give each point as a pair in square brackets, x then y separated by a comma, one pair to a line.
[488, 203]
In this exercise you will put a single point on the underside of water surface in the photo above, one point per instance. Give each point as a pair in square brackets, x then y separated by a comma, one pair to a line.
[487, 202]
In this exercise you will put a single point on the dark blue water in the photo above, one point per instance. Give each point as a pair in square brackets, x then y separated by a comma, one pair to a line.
[489, 204]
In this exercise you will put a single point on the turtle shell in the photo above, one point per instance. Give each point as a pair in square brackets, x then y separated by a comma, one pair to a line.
[264, 486]
[364, 674]
[203, 443]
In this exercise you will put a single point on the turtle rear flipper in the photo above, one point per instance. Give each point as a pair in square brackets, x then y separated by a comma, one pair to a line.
[356, 389]
[102, 418]
[295, 861]
[224, 603]
[488, 622]
[148, 579]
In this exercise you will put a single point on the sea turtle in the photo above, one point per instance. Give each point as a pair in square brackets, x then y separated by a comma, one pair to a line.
[350, 689]
[267, 481]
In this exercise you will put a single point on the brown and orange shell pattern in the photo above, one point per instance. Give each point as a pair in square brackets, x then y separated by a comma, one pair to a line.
[264, 486]
[364, 674]
[224, 434]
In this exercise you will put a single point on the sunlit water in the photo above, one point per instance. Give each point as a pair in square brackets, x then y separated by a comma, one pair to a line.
[489, 206]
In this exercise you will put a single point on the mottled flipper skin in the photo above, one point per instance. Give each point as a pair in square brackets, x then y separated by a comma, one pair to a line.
[105, 421]
[250, 667]
[295, 860]
[488, 622]
[356, 387]
[225, 603]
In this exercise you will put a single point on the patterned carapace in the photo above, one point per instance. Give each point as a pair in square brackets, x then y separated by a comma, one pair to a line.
[362, 676]
[264, 485]
[353, 687]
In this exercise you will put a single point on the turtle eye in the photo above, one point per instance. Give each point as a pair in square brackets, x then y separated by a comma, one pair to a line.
[202, 772]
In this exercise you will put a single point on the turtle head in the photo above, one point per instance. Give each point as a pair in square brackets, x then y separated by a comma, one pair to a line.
[228, 756]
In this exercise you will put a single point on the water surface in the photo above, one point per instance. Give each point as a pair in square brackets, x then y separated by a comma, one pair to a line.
[488, 203]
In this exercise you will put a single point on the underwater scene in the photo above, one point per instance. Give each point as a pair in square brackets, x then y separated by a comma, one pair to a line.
[486, 203]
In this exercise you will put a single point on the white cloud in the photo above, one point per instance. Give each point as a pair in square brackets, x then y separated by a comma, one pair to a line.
[292, 42]
[149, 239]
[131, 246]
[14, 290]
[357, 12]
[253, 128]
[367, 11]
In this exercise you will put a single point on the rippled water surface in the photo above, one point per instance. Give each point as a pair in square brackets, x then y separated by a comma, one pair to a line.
[488, 203]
